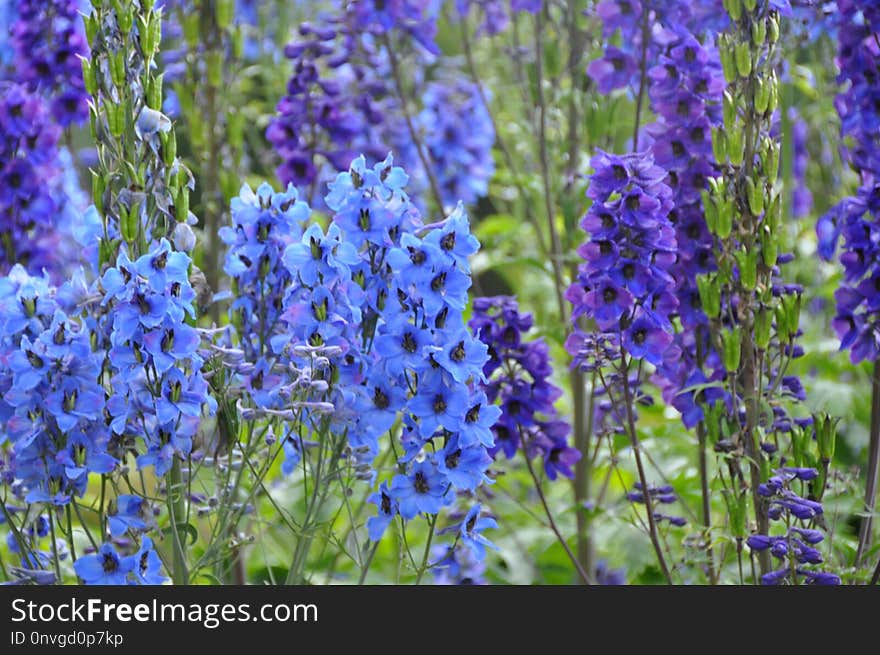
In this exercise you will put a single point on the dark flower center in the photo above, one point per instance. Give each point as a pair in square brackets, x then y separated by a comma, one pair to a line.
[453, 458]
[380, 399]
[439, 404]
[109, 563]
[458, 353]
[609, 294]
[438, 282]
[473, 414]
[409, 343]
[448, 241]
[421, 483]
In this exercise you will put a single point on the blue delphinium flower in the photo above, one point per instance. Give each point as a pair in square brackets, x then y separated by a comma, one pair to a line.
[459, 135]
[48, 40]
[387, 293]
[158, 387]
[854, 219]
[104, 567]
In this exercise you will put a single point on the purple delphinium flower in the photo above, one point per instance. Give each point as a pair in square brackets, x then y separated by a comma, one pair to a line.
[518, 382]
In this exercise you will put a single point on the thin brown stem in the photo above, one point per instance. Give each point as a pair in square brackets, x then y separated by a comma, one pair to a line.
[499, 137]
[585, 577]
[649, 503]
[555, 244]
[410, 126]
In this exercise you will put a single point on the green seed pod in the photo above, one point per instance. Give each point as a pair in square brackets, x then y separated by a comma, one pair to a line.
[734, 8]
[129, 223]
[99, 185]
[759, 33]
[169, 147]
[237, 40]
[710, 295]
[214, 64]
[773, 29]
[92, 25]
[729, 112]
[117, 69]
[728, 58]
[735, 146]
[774, 98]
[191, 29]
[147, 5]
[710, 211]
[90, 80]
[725, 219]
[115, 119]
[748, 269]
[154, 92]
[181, 204]
[762, 96]
[731, 348]
[125, 18]
[770, 158]
[743, 57]
[223, 13]
[763, 324]
[750, 5]
[769, 247]
[755, 194]
[719, 145]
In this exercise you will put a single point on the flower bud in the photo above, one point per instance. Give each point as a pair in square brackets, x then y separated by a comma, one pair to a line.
[748, 269]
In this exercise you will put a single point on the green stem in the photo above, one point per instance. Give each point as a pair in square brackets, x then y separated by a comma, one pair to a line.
[873, 468]
[427, 554]
[177, 513]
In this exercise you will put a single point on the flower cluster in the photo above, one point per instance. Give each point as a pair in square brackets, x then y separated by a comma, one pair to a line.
[646, 28]
[53, 404]
[28, 151]
[337, 104]
[518, 381]
[48, 42]
[795, 549]
[158, 388]
[664, 495]
[495, 15]
[417, 18]
[388, 293]
[460, 148]
[857, 322]
[263, 225]
[624, 285]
